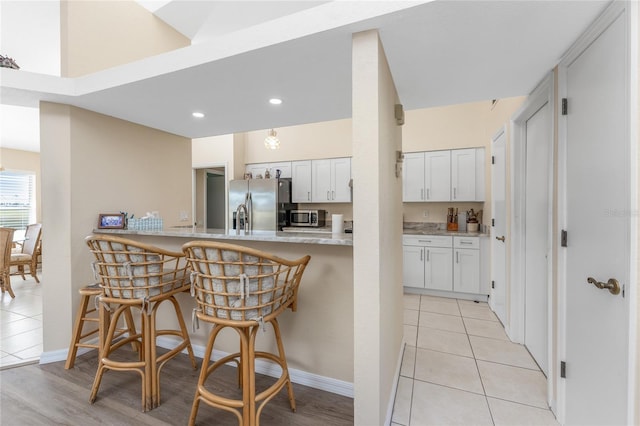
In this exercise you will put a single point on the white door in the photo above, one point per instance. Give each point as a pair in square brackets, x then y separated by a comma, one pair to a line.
[437, 176]
[536, 218]
[597, 195]
[499, 227]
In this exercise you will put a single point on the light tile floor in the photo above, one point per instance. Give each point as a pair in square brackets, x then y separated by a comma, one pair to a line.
[460, 368]
[21, 323]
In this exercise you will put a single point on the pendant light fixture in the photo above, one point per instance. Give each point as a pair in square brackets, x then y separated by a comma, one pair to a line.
[271, 141]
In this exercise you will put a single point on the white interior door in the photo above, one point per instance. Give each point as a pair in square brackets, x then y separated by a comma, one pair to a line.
[499, 228]
[597, 196]
[536, 241]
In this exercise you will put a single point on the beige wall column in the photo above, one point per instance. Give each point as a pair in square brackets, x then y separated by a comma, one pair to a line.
[377, 244]
[55, 149]
[93, 164]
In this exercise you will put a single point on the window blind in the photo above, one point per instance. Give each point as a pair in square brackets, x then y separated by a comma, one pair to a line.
[17, 199]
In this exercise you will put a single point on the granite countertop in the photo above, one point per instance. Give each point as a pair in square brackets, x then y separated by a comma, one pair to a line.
[426, 228]
[221, 234]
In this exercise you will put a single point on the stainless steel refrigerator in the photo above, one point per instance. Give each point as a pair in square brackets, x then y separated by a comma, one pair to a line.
[268, 202]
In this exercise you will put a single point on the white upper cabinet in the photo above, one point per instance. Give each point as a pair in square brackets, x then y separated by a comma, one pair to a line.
[330, 180]
[449, 175]
[463, 175]
[341, 180]
[301, 181]
[413, 177]
[437, 175]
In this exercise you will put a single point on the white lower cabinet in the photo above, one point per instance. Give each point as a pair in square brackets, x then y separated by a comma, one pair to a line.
[413, 266]
[444, 263]
[466, 271]
[427, 262]
[438, 272]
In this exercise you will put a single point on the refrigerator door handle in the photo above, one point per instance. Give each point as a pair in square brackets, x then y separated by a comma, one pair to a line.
[249, 217]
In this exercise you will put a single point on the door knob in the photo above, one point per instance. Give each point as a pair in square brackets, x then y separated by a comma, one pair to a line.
[500, 238]
[612, 285]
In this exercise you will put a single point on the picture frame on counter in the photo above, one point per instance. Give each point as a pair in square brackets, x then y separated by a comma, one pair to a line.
[111, 221]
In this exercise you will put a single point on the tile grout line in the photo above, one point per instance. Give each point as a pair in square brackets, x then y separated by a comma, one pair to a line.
[475, 360]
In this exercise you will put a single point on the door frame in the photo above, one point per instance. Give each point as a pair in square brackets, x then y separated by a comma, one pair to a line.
[608, 16]
[502, 131]
[194, 195]
[542, 95]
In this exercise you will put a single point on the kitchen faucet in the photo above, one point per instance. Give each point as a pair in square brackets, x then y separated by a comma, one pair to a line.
[242, 207]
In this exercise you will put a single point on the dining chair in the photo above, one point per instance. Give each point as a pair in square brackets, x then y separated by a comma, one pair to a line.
[28, 256]
[6, 242]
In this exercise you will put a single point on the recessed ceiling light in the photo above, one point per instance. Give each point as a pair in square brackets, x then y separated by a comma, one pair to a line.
[275, 101]
[198, 114]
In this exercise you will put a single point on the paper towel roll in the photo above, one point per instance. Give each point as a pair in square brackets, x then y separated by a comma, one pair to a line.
[337, 224]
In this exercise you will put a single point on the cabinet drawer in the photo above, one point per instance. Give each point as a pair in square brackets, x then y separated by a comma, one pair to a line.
[427, 240]
[466, 242]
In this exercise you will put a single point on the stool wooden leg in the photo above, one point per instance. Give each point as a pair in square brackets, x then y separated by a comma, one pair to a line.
[204, 373]
[247, 355]
[276, 330]
[149, 358]
[131, 328]
[77, 332]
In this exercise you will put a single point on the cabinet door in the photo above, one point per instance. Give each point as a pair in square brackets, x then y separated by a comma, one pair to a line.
[301, 181]
[256, 169]
[413, 266]
[466, 271]
[341, 180]
[284, 167]
[463, 174]
[321, 181]
[413, 177]
[438, 268]
[437, 175]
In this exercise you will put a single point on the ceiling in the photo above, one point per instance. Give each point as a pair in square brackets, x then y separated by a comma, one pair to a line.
[243, 53]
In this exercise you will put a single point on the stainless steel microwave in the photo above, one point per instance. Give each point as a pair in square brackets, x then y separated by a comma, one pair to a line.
[311, 218]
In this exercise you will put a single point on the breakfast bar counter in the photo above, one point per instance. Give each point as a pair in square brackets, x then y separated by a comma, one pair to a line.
[319, 336]
[193, 232]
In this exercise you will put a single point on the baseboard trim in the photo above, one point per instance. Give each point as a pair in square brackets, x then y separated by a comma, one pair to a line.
[327, 384]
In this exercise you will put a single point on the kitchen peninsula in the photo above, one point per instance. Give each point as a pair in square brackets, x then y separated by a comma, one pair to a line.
[318, 337]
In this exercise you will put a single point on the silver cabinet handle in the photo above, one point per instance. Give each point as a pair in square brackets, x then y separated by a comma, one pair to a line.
[454, 193]
[466, 242]
[308, 196]
[428, 255]
[328, 195]
[333, 195]
[421, 250]
[424, 241]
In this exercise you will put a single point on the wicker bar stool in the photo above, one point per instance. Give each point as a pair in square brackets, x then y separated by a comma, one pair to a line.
[91, 314]
[139, 276]
[243, 289]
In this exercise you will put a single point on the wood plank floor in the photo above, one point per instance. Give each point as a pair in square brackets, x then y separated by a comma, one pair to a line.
[50, 395]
